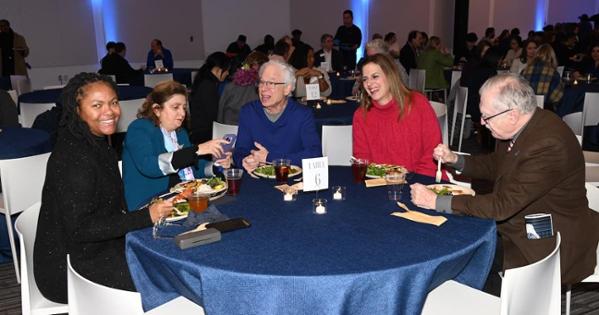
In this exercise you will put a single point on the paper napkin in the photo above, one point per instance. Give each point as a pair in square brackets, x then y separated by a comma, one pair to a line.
[421, 217]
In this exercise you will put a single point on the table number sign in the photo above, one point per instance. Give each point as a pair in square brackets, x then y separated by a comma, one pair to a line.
[312, 92]
[325, 66]
[158, 64]
[316, 173]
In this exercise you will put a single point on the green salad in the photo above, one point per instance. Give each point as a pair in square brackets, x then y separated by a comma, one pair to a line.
[376, 170]
[269, 170]
[442, 191]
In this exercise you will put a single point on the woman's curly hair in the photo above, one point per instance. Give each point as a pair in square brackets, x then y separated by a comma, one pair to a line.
[71, 95]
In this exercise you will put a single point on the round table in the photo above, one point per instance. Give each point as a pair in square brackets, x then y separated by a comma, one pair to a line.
[356, 259]
[22, 142]
[52, 95]
[341, 87]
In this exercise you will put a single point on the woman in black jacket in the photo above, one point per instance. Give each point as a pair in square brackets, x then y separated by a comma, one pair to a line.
[204, 97]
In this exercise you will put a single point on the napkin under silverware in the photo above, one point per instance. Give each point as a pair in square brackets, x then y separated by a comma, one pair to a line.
[419, 217]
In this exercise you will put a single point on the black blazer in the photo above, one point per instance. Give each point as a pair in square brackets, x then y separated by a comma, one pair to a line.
[336, 59]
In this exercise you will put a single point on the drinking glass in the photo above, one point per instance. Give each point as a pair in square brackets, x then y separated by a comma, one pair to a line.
[359, 168]
[395, 181]
[198, 202]
[233, 177]
[282, 167]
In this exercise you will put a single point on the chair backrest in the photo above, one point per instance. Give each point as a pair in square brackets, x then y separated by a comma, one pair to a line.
[29, 111]
[193, 76]
[337, 144]
[150, 80]
[129, 110]
[31, 298]
[50, 87]
[574, 121]
[13, 95]
[560, 70]
[460, 104]
[121, 167]
[534, 289]
[22, 181]
[441, 112]
[540, 101]
[592, 196]
[219, 130]
[590, 109]
[20, 83]
[112, 76]
[417, 79]
[90, 298]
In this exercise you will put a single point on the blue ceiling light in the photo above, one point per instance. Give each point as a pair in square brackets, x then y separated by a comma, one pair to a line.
[360, 9]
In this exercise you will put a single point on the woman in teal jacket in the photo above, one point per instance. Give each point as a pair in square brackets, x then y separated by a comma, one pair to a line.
[157, 153]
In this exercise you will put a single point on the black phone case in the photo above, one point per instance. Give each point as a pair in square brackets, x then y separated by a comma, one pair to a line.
[230, 225]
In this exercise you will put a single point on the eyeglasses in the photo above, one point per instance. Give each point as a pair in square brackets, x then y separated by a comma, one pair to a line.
[269, 84]
[486, 119]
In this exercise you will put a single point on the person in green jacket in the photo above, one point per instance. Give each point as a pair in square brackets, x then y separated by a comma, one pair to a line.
[434, 59]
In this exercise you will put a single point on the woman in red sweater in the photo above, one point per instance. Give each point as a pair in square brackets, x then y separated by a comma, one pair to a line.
[393, 124]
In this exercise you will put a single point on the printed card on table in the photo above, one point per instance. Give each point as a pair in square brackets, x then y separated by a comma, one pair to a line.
[312, 92]
[158, 64]
[324, 66]
[316, 173]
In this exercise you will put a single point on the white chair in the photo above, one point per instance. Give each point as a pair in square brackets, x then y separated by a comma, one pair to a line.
[121, 167]
[20, 83]
[593, 197]
[460, 105]
[219, 130]
[456, 75]
[540, 101]
[455, 181]
[129, 110]
[29, 111]
[32, 301]
[574, 121]
[50, 87]
[441, 112]
[90, 298]
[22, 183]
[534, 289]
[150, 80]
[560, 70]
[590, 111]
[193, 76]
[13, 95]
[417, 79]
[337, 144]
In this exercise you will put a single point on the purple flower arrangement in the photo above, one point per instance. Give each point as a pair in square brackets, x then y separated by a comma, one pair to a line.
[245, 76]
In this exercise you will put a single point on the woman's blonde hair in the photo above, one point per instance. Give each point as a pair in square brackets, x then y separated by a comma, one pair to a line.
[546, 54]
[161, 93]
[400, 93]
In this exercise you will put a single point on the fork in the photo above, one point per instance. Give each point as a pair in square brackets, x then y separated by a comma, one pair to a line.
[438, 174]
[403, 206]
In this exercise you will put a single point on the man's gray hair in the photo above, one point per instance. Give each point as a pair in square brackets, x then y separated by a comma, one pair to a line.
[513, 91]
[378, 45]
[286, 69]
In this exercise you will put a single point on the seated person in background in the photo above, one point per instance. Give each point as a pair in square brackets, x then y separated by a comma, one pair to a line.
[464, 55]
[590, 65]
[116, 64]
[157, 153]
[9, 116]
[297, 58]
[328, 54]
[526, 57]
[434, 59]
[309, 74]
[537, 167]
[204, 97]
[513, 53]
[158, 52]
[275, 126]
[407, 54]
[241, 90]
[393, 44]
[238, 49]
[110, 49]
[543, 77]
[394, 125]
[82, 212]
[268, 45]
[378, 46]
[281, 51]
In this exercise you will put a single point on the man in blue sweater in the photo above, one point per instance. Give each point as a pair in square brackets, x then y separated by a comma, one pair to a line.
[275, 126]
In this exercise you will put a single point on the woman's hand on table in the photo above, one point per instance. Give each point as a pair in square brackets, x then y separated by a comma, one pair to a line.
[213, 147]
[160, 209]
[443, 153]
[422, 196]
[226, 162]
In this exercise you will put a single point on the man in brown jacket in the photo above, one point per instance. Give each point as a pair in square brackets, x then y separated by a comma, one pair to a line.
[537, 167]
[13, 50]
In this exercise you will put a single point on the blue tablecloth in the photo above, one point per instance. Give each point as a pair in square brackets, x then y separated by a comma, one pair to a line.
[183, 75]
[22, 142]
[573, 99]
[5, 83]
[341, 87]
[356, 259]
[52, 95]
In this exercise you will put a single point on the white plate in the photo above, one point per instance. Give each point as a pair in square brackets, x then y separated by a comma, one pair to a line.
[352, 98]
[401, 169]
[183, 216]
[181, 186]
[294, 167]
[456, 190]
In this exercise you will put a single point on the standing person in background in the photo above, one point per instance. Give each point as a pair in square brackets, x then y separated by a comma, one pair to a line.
[328, 54]
[158, 52]
[408, 53]
[13, 49]
[203, 100]
[348, 38]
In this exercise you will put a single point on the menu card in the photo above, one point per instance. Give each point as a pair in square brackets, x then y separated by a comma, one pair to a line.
[315, 173]
[312, 92]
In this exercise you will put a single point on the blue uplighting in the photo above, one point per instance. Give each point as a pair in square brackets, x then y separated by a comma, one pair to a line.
[540, 15]
[360, 9]
[110, 25]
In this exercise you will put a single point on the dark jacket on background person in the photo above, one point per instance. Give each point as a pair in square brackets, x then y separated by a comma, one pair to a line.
[336, 59]
[203, 107]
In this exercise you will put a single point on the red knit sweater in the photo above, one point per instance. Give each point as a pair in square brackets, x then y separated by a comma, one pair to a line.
[381, 138]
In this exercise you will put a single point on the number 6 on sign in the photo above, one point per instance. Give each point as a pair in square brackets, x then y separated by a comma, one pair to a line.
[316, 173]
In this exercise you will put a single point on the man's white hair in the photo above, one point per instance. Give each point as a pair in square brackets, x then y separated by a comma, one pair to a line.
[288, 72]
[513, 91]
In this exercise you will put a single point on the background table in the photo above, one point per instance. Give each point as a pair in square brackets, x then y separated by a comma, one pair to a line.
[356, 259]
[573, 99]
[22, 142]
[334, 114]
[341, 87]
[52, 95]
